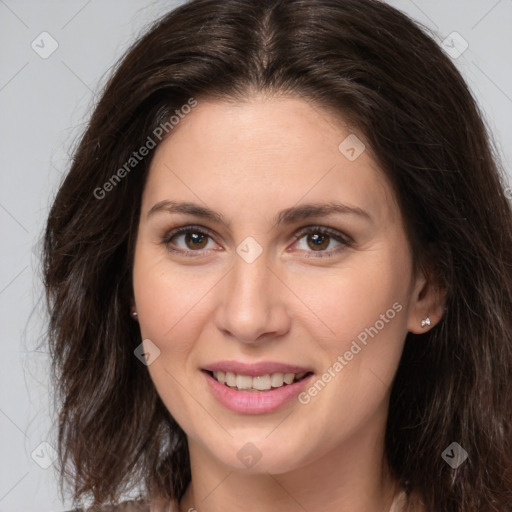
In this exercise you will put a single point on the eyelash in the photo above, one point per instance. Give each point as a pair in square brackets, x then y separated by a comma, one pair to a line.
[344, 240]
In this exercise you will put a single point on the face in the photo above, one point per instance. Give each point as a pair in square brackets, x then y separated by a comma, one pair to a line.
[292, 266]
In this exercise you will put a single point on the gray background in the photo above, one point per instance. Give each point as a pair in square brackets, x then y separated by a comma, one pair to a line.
[44, 104]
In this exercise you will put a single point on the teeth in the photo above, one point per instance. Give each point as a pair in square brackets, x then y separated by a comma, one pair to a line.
[230, 379]
[288, 377]
[259, 383]
[276, 380]
[243, 382]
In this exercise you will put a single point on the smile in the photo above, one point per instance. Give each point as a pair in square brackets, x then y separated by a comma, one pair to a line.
[259, 383]
[257, 388]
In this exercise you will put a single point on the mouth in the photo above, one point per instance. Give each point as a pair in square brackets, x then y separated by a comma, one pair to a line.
[258, 383]
[255, 388]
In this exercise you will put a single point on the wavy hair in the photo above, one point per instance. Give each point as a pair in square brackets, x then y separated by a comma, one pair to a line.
[387, 76]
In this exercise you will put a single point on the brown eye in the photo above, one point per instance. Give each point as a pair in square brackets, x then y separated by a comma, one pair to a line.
[196, 240]
[187, 240]
[318, 241]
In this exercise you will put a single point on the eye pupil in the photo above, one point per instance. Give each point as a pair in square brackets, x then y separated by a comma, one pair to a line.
[319, 241]
[195, 239]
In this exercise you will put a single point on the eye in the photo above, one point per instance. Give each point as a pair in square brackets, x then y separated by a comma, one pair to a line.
[318, 239]
[194, 239]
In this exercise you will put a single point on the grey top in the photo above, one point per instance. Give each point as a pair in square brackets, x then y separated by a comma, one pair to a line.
[143, 506]
[125, 506]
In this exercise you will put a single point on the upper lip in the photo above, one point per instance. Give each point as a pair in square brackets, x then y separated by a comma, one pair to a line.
[255, 369]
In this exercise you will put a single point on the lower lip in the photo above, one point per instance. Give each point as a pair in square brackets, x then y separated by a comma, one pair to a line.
[257, 402]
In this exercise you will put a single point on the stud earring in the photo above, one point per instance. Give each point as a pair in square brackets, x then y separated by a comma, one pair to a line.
[425, 322]
[134, 314]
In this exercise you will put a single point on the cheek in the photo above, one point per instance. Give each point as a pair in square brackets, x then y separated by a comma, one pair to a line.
[172, 303]
[363, 308]
[349, 300]
[169, 303]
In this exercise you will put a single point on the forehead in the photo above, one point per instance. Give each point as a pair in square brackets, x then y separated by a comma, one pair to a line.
[266, 154]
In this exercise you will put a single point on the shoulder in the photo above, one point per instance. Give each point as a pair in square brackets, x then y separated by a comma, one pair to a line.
[125, 506]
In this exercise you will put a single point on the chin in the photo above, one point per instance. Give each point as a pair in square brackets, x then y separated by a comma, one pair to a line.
[258, 453]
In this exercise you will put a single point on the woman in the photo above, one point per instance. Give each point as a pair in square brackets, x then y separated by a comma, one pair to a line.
[279, 272]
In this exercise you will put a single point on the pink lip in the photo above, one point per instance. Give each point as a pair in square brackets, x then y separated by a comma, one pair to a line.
[255, 369]
[258, 402]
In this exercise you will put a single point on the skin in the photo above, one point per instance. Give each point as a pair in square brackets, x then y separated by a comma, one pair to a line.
[247, 161]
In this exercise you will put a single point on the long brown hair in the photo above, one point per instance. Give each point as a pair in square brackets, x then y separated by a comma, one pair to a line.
[380, 70]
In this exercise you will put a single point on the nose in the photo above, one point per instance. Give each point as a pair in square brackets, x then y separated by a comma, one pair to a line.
[252, 305]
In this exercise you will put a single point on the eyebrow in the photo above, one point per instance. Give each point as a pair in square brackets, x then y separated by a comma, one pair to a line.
[287, 216]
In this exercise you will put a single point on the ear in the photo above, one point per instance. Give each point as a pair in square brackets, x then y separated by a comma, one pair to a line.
[427, 301]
